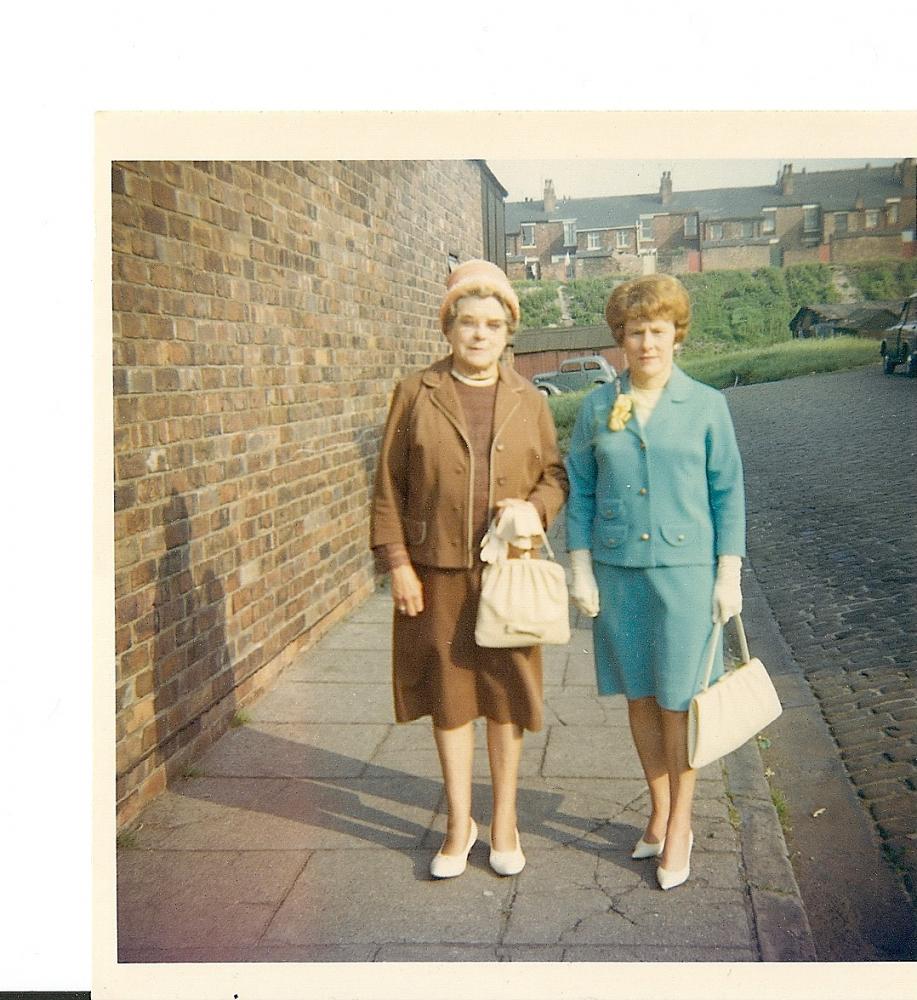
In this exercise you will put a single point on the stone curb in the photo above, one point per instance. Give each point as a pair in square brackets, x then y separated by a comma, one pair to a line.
[781, 923]
[780, 919]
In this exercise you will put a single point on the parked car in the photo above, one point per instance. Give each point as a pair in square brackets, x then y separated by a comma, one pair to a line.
[900, 344]
[575, 373]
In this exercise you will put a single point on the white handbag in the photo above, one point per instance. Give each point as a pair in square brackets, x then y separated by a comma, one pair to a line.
[737, 707]
[524, 601]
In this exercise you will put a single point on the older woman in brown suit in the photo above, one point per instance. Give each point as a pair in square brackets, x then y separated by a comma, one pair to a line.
[465, 439]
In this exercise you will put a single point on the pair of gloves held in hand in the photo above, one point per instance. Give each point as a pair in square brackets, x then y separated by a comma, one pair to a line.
[727, 589]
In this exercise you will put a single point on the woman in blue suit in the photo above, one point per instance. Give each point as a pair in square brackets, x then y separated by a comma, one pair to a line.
[656, 532]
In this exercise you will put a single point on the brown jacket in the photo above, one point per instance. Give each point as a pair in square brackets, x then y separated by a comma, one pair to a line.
[424, 481]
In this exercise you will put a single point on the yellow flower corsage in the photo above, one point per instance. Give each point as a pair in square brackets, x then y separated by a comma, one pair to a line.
[621, 412]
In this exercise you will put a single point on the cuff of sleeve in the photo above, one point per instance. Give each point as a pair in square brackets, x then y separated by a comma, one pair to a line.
[389, 557]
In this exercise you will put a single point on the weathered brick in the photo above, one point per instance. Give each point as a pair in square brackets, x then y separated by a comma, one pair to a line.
[252, 347]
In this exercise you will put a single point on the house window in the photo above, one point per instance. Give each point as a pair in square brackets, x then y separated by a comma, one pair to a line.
[622, 239]
[715, 231]
[746, 230]
[769, 221]
[690, 226]
[569, 234]
[892, 213]
[528, 234]
[646, 228]
[593, 241]
[810, 218]
[840, 222]
[872, 219]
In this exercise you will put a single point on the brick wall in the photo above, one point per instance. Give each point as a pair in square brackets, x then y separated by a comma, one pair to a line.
[736, 258]
[261, 314]
[625, 264]
[852, 249]
[808, 255]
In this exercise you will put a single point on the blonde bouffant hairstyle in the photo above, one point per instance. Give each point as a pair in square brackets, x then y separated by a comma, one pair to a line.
[654, 296]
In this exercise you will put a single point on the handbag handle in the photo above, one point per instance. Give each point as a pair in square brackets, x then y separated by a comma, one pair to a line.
[543, 535]
[711, 647]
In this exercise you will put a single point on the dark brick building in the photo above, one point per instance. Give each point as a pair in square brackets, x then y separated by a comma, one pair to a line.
[835, 216]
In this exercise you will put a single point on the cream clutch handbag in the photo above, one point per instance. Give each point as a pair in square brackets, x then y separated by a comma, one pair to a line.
[737, 707]
[524, 601]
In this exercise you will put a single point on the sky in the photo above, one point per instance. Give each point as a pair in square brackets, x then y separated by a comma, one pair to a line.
[584, 178]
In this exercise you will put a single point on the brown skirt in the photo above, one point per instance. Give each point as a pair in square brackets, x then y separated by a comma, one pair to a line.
[439, 670]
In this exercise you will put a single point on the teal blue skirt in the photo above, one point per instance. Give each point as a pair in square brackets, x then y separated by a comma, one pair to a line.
[652, 632]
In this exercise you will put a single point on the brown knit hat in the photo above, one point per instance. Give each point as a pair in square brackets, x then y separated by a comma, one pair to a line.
[478, 277]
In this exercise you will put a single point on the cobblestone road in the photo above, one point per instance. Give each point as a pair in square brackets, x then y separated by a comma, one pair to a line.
[830, 464]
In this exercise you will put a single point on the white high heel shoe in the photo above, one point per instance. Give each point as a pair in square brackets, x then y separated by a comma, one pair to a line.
[668, 879]
[508, 862]
[451, 865]
[645, 850]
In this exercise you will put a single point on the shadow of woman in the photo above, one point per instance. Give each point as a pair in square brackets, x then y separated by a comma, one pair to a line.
[192, 676]
[322, 792]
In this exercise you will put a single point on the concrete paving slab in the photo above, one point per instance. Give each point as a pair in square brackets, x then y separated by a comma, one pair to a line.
[224, 814]
[384, 897]
[375, 610]
[215, 953]
[557, 891]
[652, 953]
[425, 763]
[575, 707]
[325, 702]
[419, 736]
[194, 811]
[349, 666]
[580, 669]
[293, 750]
[187, 899]
[588, 751]
[691, 915]
[351, 634]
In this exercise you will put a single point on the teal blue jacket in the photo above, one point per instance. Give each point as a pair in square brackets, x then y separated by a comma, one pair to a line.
[669, 494]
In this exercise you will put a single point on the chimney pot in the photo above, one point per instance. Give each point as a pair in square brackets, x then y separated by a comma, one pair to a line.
[550, 199]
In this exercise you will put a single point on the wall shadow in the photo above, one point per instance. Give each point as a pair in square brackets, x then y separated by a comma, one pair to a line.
[191, 668]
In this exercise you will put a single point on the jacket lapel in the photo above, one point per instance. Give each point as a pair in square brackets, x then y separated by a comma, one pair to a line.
[443, 395]
[507, 401]
[676, 391]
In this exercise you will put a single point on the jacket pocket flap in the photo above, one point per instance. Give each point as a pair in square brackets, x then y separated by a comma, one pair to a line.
[611, 509]
[678, 534]
[415, 532]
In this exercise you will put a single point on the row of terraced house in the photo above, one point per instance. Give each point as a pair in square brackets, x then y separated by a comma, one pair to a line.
[833, 216]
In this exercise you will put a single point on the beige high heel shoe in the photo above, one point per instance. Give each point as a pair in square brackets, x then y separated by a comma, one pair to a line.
[508, 862]
[451, 865]
[669, 879]
[645, 850]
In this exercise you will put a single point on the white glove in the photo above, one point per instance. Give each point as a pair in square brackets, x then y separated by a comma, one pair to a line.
[517, 522]
[584, 591]
[727, 590]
